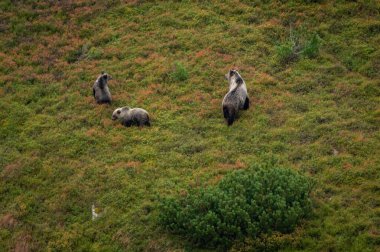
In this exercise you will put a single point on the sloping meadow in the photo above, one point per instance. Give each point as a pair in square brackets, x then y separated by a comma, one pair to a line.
[312, 72]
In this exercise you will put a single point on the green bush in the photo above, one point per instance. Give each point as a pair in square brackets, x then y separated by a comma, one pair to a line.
[286, 52]
[180, 73]
[94, 53]
[297, 46]
[311, 48]
[77, 54]
[73, 56]
[245, 203]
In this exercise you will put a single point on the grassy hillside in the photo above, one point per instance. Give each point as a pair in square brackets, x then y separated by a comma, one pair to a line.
[315, 112]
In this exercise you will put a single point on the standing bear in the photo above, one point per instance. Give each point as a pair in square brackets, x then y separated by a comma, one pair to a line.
[100, 89]
[236, 98]
[131, 116]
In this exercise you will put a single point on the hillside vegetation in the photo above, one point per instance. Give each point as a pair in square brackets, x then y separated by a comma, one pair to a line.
[312, 70]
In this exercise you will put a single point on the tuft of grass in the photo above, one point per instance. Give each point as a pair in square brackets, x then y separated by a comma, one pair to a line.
[311, 47]
[94, 53]
[180, 73]
[287, 52]
[77, 54]
[297, 47]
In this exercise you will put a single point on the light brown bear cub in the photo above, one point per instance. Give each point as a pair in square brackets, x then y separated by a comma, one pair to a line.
[131, 116]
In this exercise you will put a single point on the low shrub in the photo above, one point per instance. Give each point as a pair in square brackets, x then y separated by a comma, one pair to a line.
[76, 54]
[245, 203]
[94, 53]
[311, 47]
[180, 73]
[286, 52]
[297, 46]
[73, 56]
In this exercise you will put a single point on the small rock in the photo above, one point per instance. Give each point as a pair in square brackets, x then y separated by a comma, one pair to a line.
[335, 152]
[94, 211]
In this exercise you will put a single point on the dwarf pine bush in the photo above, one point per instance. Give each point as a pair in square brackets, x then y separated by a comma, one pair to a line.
[245, 203]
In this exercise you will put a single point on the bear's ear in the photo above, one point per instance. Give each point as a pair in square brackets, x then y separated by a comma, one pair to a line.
[118, 112]
[232, 72]
[102, 72]
[105, 76]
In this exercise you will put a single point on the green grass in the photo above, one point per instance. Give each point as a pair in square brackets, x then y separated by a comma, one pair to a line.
[61, 153]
